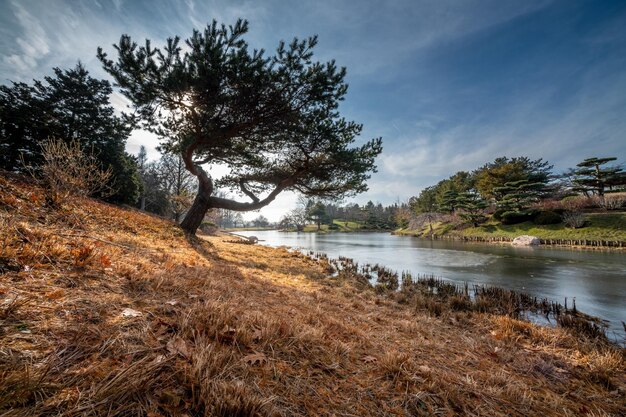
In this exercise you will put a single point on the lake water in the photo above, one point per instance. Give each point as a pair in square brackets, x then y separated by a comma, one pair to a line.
[596, 279]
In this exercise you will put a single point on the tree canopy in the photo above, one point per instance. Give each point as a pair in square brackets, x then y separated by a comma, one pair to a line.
[273, 121]
[490, 177]
[592, 176]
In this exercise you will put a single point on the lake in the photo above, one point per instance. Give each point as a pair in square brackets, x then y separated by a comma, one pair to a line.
[595, 279]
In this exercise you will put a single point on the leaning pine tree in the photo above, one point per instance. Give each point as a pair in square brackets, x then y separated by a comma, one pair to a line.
[273, 121]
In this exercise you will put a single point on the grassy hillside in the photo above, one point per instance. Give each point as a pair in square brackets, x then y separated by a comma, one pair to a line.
[600, 226]
[107, 311]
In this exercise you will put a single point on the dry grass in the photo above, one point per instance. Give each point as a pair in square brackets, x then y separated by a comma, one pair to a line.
[220, 329]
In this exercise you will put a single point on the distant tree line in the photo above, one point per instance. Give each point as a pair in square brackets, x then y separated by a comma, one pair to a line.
[512, 189]
[369, 216]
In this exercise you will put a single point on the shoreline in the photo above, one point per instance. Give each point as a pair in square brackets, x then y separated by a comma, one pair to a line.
[593, 245]
[612, 324]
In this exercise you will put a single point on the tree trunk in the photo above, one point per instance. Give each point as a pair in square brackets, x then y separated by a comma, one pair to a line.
[195, 215]
[201, 204]
[205, 201]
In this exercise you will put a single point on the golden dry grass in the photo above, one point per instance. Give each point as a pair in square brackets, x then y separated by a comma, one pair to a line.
[223, 329]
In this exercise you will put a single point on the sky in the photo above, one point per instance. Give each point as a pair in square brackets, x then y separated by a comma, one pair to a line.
[448, 84]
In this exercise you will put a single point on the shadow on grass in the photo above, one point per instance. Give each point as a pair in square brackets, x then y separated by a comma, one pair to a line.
[202, 246]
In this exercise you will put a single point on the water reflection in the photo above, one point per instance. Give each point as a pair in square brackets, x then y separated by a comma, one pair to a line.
[596, 279]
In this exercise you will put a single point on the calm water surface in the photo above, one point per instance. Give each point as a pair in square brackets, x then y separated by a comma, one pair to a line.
[596, 279]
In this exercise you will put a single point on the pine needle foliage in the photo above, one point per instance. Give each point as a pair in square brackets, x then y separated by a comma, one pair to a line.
[272, 120]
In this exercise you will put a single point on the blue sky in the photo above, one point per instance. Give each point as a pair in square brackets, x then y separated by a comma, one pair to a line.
[448, 84]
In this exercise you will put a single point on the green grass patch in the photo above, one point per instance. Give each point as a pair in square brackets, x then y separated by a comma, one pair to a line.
[428, 230]
[348, 226]
[313, 228]
[601, 226]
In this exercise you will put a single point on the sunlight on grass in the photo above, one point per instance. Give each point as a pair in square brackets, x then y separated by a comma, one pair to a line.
[110, 311]
[601, 227]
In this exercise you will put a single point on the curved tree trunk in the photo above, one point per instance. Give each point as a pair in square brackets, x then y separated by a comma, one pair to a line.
[204, 201]
[195, 215]
[201, 204]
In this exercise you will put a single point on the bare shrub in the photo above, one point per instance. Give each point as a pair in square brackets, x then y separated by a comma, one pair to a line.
[577, 203]
[574, 219]
[548, 205]
[68, 170]
[427, 219]
[614, 201]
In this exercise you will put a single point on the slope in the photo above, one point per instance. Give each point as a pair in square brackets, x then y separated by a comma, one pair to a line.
[109, 311]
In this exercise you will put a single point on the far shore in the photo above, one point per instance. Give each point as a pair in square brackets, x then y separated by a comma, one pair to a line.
[573, 243]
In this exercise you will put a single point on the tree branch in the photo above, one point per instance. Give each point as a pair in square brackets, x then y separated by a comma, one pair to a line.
[225, 203]
[205, 183]
[242, 186]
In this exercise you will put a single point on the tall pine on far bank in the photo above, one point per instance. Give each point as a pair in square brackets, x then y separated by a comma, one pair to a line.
[272, 120]
[69, 106]
[592, 176]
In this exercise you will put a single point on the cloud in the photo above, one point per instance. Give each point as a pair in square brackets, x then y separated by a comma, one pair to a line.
[448, 85]
[392, 33]
[33, 43]
[140, 138]
[118, 4]
[589, 124]
[284, 202]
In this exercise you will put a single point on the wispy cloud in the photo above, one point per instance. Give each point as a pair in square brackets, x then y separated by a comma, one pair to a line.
[32, 44]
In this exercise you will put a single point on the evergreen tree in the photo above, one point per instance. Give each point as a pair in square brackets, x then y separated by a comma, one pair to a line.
[317, 213]
[142, 165]
[515, 199]
[426, 202]
[591, 176]
[272, 120]
[472, 206]
[69, 106]
[442, 196]
[449, 201]
[24, 119]
[491, 177]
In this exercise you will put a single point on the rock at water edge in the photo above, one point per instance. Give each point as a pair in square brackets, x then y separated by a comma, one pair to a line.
[526, 240]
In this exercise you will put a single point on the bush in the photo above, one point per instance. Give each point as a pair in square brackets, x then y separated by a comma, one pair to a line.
[497, 215]
[574, 219]
[515, 217]
[68, 170]
[614, 201]
[548, 205]
[333, 226]
[579, 202]
[547, 217]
